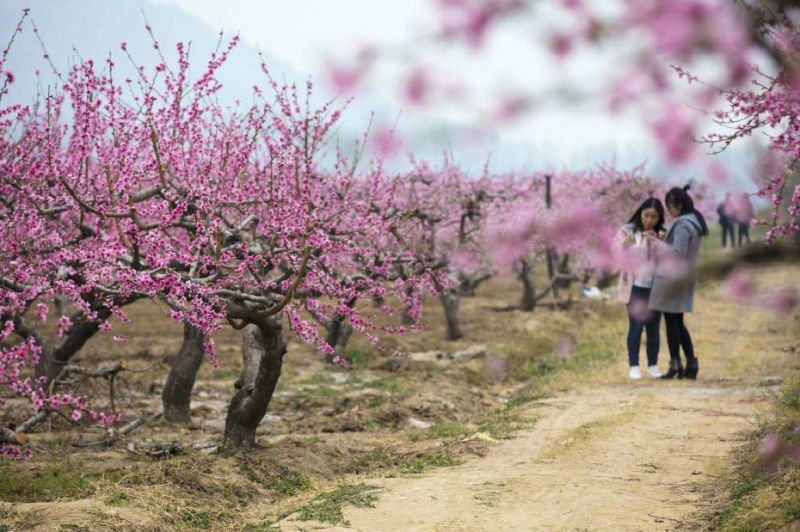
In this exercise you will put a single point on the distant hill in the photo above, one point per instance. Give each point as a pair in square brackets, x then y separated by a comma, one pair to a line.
[93, 28]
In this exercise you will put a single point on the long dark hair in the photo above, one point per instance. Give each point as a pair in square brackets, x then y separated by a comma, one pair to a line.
[649, 203]
[680, 199]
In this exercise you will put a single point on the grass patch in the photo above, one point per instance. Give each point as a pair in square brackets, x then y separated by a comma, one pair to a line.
[226, 374]
[358, 357]
[390, 385]
[196, 518]
[537, 363]
[593, 353]
[532, 369]
[443, 431]
[503, 423]
[326, 391]
[378, 458]
[475, 378]
[312, 440]
[375, 402]
[274, 476]
[291, 484]
[746, 485]
[764, 491]
[262, 527]
[381, 459]
[423, 463]
[5, 513]
[787, 407]
[118, 499]
[712, 244]
[446, 430]
[61, 480]
[527, 397]
[530, 359]
[327, 507]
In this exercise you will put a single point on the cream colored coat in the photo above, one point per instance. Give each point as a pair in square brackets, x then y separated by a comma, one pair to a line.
[637, 249]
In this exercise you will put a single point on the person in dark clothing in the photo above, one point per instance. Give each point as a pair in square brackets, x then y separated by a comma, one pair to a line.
[726, 220]
[676, 276]
[744, 232]
[744, 216]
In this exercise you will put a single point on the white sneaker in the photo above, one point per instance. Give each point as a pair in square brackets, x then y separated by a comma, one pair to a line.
[653, 373]
[635, 373]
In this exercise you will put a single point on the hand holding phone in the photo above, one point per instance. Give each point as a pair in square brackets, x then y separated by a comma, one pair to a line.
[629, 238]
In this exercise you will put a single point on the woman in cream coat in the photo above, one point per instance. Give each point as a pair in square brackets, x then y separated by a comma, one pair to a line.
[636, 281]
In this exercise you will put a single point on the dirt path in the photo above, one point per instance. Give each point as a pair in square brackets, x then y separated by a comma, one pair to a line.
[612, 457]
[608, 453]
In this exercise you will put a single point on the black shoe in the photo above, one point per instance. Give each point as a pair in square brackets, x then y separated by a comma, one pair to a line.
[691, 369]
[675, 369]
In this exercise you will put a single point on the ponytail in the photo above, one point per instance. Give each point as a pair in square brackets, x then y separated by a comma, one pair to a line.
[679, 197]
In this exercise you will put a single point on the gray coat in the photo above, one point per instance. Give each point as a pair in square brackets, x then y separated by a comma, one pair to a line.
[676, 269]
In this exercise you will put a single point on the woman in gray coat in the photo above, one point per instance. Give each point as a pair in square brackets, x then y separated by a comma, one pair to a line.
[676, 276]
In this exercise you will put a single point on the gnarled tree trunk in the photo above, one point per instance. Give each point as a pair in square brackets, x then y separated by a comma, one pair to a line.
[177, 392]
[339, 332]
[552, 270]
[450, 301]
[529, 296]
[54, 358]
[564, 276]
[469, 283]
[528, 302]
[262, 353]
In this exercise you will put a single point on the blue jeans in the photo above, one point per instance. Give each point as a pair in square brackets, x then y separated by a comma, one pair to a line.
[651, 323]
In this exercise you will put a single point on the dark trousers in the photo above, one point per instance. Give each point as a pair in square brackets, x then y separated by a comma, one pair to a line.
[677, 337]
[728, 228]
[637, 321]
[744, 233]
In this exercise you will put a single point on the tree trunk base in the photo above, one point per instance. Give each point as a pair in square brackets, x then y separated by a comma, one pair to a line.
[450, 301]
[177, 393]
[238, 436]
[339, 334]
[178, 413]
[262, 353]
[528, 302]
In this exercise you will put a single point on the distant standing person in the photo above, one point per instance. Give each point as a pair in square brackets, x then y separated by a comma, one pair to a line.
[744, 215]
[726, 220]
[635, 282]
[676, 276]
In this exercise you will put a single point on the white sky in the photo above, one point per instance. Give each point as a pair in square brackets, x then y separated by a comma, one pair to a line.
[301, 32]
[306, 33]
[569, 125]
